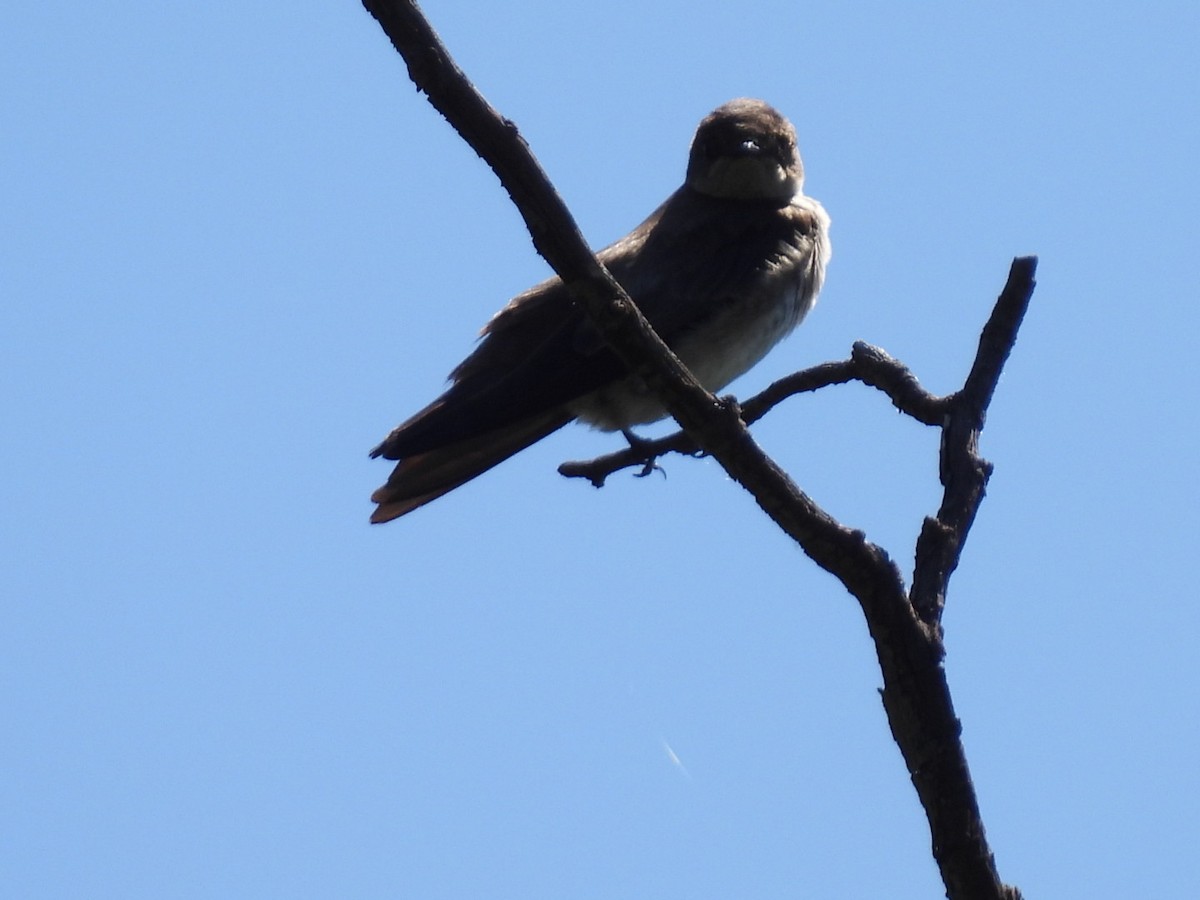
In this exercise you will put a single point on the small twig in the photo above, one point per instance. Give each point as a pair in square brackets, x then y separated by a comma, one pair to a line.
[879, 369]
[597, 470]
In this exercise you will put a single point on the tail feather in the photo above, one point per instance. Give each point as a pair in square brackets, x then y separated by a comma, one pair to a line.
[423, 477]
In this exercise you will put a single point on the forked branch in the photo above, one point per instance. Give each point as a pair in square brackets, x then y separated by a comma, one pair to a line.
[906, 628]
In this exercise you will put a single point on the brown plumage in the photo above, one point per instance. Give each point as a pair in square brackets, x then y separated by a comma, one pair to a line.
[723, 270]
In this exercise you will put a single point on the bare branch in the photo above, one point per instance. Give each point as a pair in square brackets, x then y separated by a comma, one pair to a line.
[881, 370]
[909, 648]
[643, 454]
[964, 473]
[802, 382]
[870, 365]
[597, 470]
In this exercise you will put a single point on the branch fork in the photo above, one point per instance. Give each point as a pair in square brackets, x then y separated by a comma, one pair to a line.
[904, 622]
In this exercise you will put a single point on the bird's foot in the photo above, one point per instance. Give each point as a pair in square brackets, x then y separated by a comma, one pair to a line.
[644, 449]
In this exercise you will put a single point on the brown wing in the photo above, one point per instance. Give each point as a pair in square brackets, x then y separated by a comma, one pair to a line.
[684, 265]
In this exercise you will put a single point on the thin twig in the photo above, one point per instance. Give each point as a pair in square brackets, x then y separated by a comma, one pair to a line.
[870, 365]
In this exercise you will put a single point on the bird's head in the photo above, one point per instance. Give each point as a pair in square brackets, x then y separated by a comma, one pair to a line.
[745, 150]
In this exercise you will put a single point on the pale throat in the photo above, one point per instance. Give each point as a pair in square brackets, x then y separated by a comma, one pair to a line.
[747, 178]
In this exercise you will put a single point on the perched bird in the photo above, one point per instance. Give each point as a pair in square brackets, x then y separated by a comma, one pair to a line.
[723, 270]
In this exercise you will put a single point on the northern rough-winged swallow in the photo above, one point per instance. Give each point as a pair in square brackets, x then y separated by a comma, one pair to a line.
[723, 270]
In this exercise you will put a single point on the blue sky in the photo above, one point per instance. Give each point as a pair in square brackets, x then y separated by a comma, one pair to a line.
[238, 248]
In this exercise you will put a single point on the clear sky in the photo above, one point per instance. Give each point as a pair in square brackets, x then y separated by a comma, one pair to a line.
[236, 248]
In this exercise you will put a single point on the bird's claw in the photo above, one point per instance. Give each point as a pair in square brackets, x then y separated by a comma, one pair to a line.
[650, 466]
[647, 457]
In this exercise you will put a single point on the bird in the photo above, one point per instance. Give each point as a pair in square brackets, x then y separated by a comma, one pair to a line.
[723, 270]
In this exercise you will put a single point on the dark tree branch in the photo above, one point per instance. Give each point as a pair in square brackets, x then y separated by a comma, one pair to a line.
[964, 473]
[870, 365]
[909, 647]
[880, 370]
